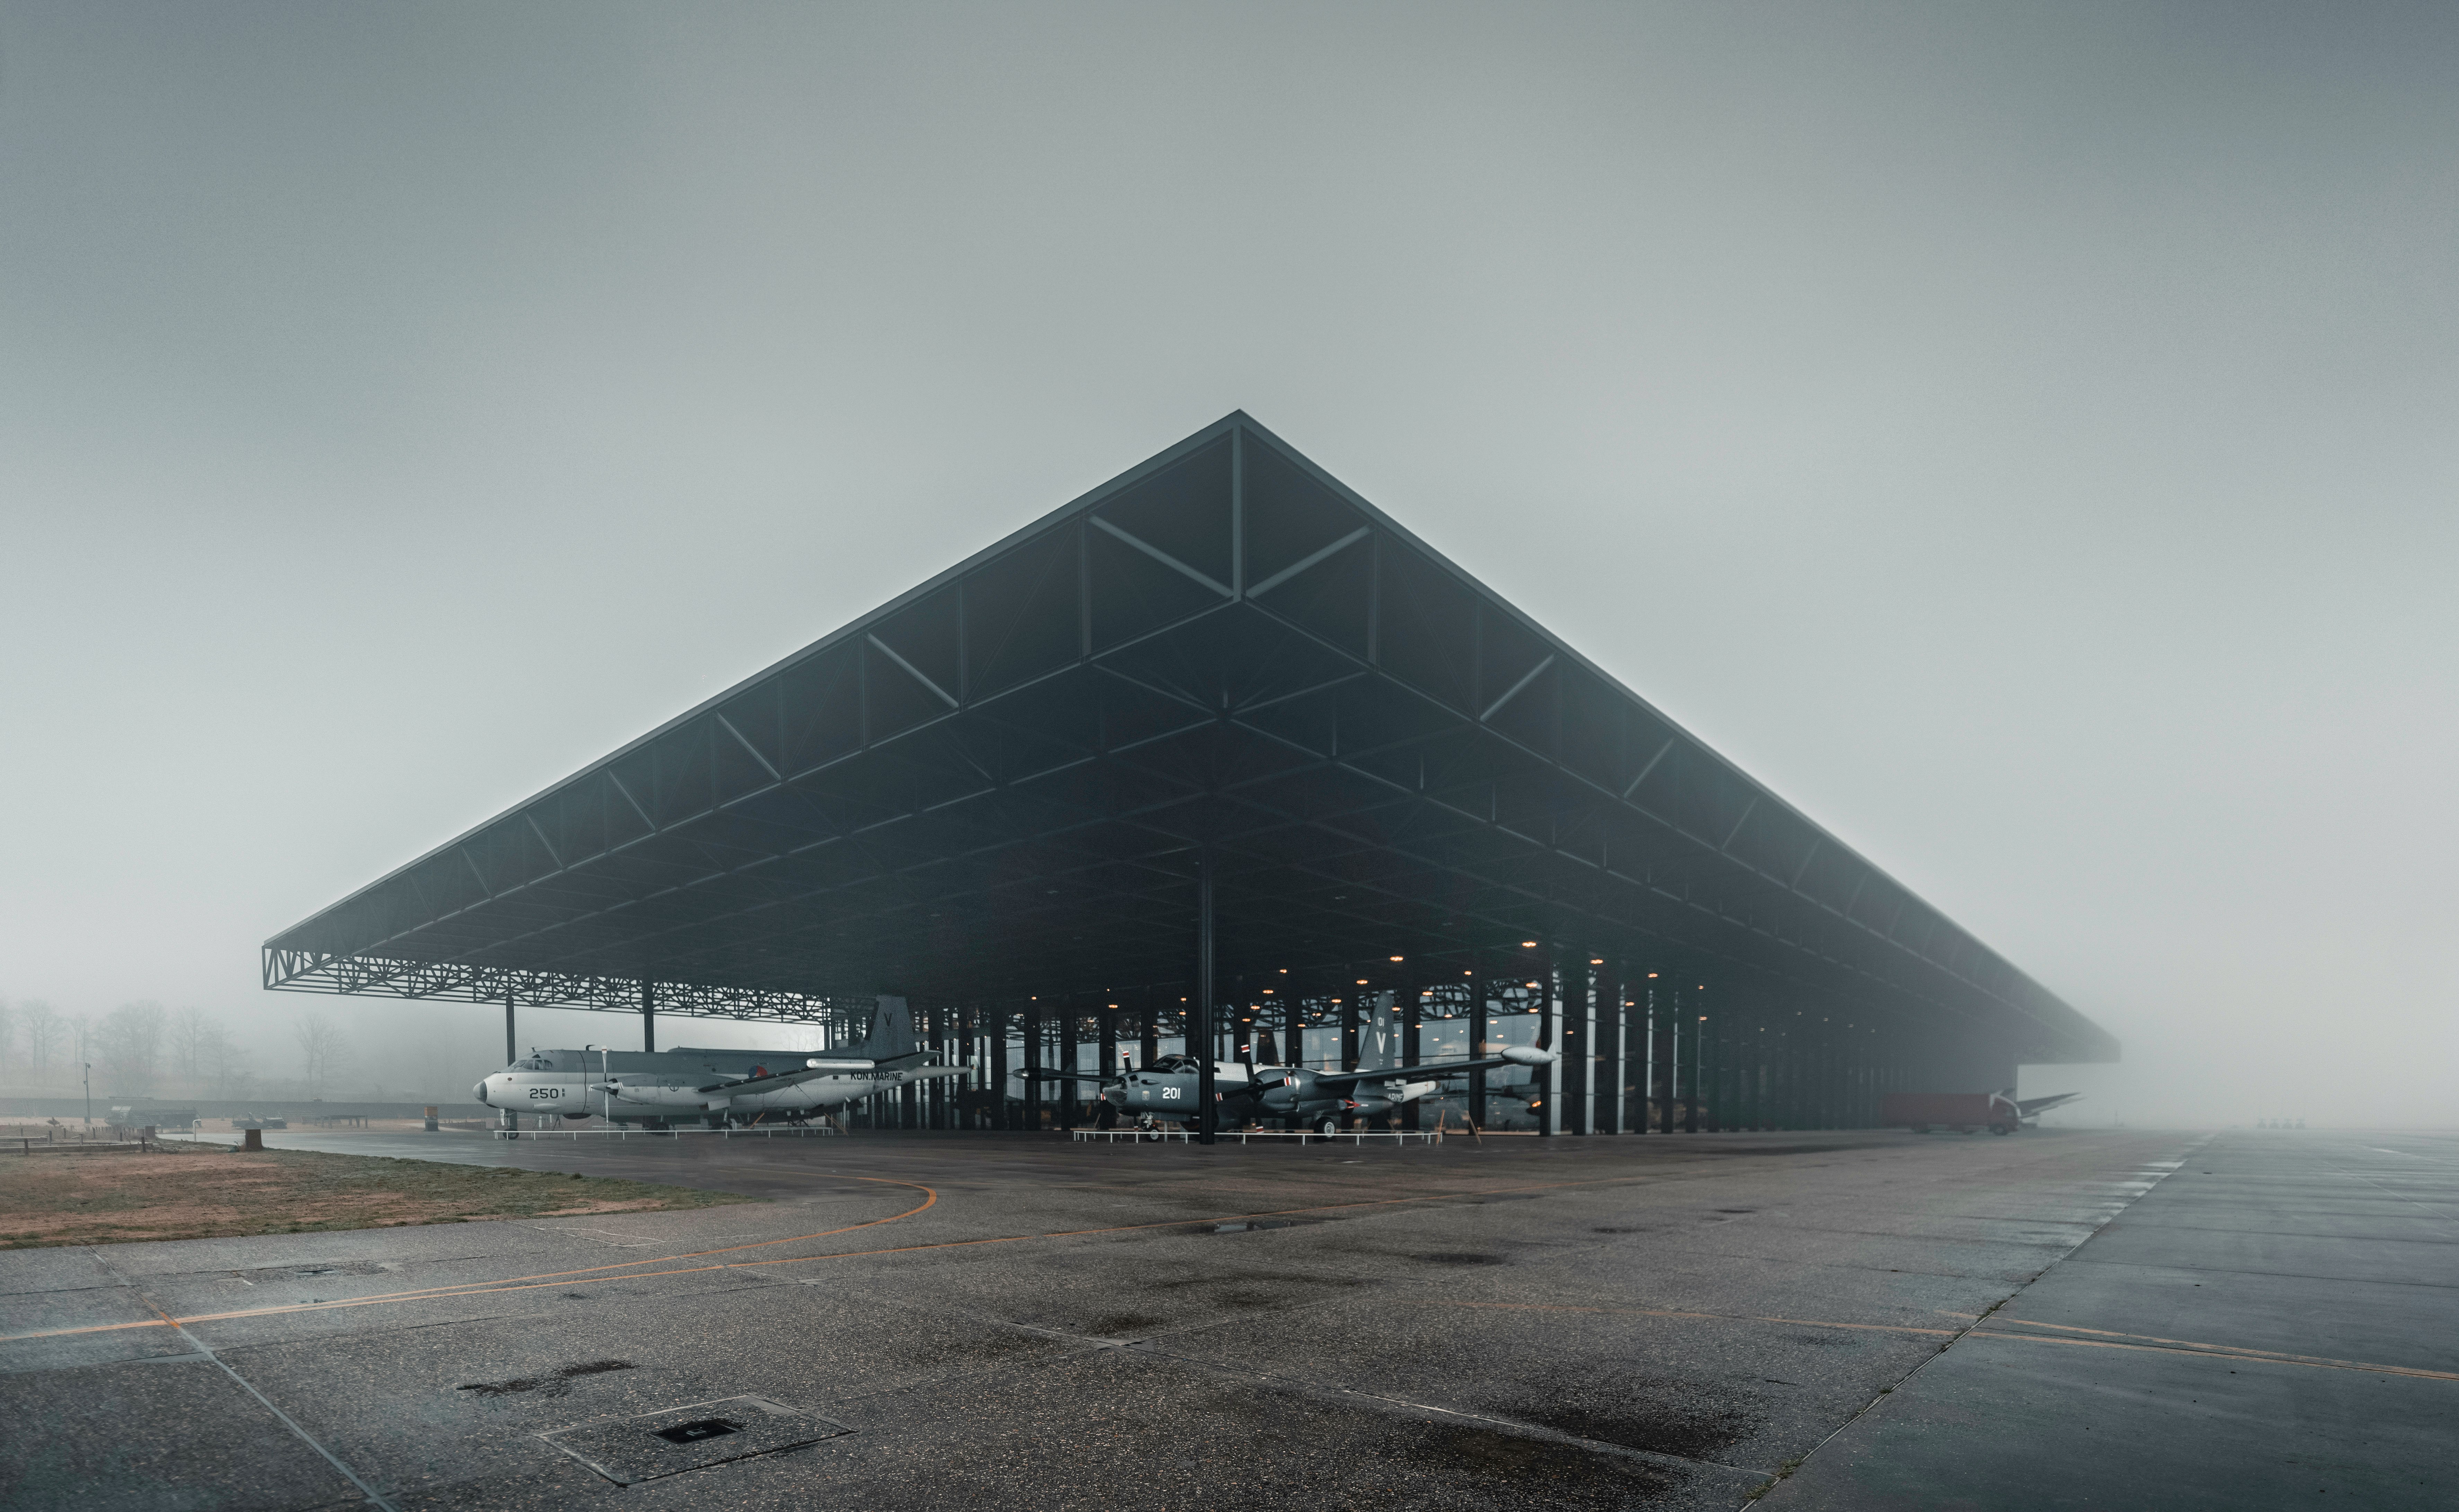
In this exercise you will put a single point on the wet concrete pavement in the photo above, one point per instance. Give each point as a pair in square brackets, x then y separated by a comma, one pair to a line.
[1631, 1322]
[2276, 1324]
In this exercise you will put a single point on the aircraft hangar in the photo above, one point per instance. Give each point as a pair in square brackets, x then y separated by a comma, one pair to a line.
[1218, 752]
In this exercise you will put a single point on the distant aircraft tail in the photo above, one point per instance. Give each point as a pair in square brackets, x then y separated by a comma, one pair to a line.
[891, 1035]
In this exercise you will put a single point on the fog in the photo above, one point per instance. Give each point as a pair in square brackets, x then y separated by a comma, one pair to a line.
[2024, 437]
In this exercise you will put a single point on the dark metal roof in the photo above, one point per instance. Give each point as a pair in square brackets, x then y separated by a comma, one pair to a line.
[997, 784]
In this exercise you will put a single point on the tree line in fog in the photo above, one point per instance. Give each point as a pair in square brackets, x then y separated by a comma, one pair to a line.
[143, 1048]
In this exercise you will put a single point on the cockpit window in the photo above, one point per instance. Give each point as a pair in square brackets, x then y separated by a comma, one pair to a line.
[536, 1063]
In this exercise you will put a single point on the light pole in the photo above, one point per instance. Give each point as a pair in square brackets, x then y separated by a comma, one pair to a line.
[88, 1097]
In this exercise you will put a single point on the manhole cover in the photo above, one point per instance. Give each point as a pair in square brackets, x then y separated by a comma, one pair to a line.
[629, 1450]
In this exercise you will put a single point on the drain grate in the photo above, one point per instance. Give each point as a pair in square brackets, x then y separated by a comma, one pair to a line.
[629, 1450]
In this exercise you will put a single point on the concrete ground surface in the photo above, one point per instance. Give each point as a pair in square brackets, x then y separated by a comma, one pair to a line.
[930, 1321]
[2276, 1324]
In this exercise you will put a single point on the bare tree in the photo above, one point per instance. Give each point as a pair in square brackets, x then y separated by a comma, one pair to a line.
[323, 1050]
[131, 1042]
[216, 1057]
[187, 1043]
[46, 1035]
[7, 1037]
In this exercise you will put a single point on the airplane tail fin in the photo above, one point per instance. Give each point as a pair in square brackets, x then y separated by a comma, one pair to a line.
[891, 1035]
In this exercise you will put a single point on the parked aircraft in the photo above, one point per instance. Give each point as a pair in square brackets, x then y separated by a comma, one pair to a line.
[1166, 1089]
[715, 1086]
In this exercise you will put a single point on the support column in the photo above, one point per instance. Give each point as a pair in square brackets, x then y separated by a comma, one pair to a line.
[1067, 1091]
[1477, 1032]
[1200, 1031]
[648, 1017]
[1151, 1043]
[511, 1053]
[1410, 1020]
[1550, 1037]
[1663, 1003]
[1613, 1051]
[1031, 1028]
[994, 1030]
[1587, 1048]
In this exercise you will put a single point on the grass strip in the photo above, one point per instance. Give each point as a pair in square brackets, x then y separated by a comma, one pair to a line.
[119, 1195]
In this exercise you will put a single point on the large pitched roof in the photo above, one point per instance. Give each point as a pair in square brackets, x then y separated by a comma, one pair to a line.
[999, 783]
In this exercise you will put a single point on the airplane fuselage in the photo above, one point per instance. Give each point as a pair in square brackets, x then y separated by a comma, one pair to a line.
[638, 1086]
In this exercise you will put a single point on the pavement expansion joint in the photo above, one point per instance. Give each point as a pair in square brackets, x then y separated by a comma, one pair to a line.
[2167, 1169]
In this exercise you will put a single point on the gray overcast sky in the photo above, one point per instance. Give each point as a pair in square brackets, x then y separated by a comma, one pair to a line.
[2024, 437]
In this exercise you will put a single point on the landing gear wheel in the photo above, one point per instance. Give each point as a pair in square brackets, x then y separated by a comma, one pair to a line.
[1330, 1126]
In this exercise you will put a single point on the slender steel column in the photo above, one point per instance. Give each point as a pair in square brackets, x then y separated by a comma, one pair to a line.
[1477, 1033]
[1409, 1023]
[511, 1053]
[648, 1014]
[1665, 1008]
[1550, 1037]
[1584, 1048]
[1643, 1074]
[994, 1030]
[1032, 1036]
[1609, 1049]
[1200, 1033]
[1067, 1091]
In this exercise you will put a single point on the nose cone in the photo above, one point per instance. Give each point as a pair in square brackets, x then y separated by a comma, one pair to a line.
[481, 1090]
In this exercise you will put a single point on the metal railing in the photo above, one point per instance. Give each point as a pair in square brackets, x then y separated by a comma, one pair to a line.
[801, 1131]
[1242, 1136]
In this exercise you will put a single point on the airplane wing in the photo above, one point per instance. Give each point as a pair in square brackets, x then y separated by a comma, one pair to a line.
[822, 1068]
[772, 1083]
[1055, 1074]
[2041, 1104]
[1515, 1057]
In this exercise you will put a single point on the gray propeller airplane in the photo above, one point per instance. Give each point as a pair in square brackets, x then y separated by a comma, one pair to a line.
[716, 1087]
[1166, 1088]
